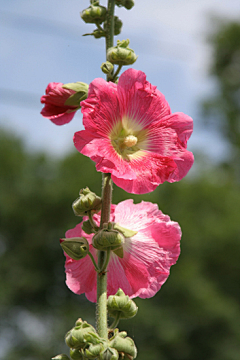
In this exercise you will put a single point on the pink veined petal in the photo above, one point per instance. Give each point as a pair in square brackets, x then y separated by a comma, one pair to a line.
[101, 108]
[139, 99]
[184, 164]
[151, 170]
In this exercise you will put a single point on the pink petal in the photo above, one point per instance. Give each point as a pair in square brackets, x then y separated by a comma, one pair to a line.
[139, 99]
[101, 108]
[151, 170]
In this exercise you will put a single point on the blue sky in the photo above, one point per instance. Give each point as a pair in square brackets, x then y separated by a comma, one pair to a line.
[41, 42]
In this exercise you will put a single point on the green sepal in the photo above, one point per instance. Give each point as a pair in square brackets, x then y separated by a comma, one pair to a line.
[109, 354]
[127, 233]
[119, 252]
[77, 86]
[93, 351]
[76, 354]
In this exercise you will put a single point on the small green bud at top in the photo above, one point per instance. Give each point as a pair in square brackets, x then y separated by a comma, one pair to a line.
[107, 67]
[61, 357]
[87, 201]
[76, 354]
[117, 25]
[108, 239]
[123, 344]
[76, 248]
[119, 305]
[121, 54]
[94, 14]
[75, 338]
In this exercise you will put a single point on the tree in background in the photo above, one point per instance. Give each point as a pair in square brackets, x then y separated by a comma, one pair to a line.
[196, 316]
[223, 109]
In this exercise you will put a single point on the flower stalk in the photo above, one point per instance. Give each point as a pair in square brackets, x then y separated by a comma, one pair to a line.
[103, 256]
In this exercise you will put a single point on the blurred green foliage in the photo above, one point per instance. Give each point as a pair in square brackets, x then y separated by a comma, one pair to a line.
[195, 315]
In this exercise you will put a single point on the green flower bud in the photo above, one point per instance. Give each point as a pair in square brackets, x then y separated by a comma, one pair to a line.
[120, 305]
[107, 238]
[87, 201]
[123, 344]
[109, 354]
[76, 248]
[61, 357]
[87, 227]
[81, 93]
[76, 354]
[94, 14]
[117, 25]
[128, 4]
[75, 338]
[121, 54]
[107, 67]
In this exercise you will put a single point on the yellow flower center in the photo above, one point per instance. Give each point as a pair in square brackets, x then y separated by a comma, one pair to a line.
[128, 139]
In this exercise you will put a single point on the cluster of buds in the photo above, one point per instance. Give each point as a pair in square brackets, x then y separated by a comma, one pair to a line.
[85, 343]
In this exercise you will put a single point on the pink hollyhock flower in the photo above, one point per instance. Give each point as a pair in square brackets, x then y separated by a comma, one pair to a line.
[147, 259]
[131, 133]
[54, 100]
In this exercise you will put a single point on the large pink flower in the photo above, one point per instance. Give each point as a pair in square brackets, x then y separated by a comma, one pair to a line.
[147, 259]
[131, 133]
[54, 100]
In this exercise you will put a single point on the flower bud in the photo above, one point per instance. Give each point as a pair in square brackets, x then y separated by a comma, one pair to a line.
[107, 67]
[120, 305]
[87, 201]
[109, 354]
[117, 25]
[107, 238]
[75, 338]
[95, 13]
[76, 248]
[81, 89]
[121, 54]
[76, 354]
[61, 357]
[123, 344]
[128, 4]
